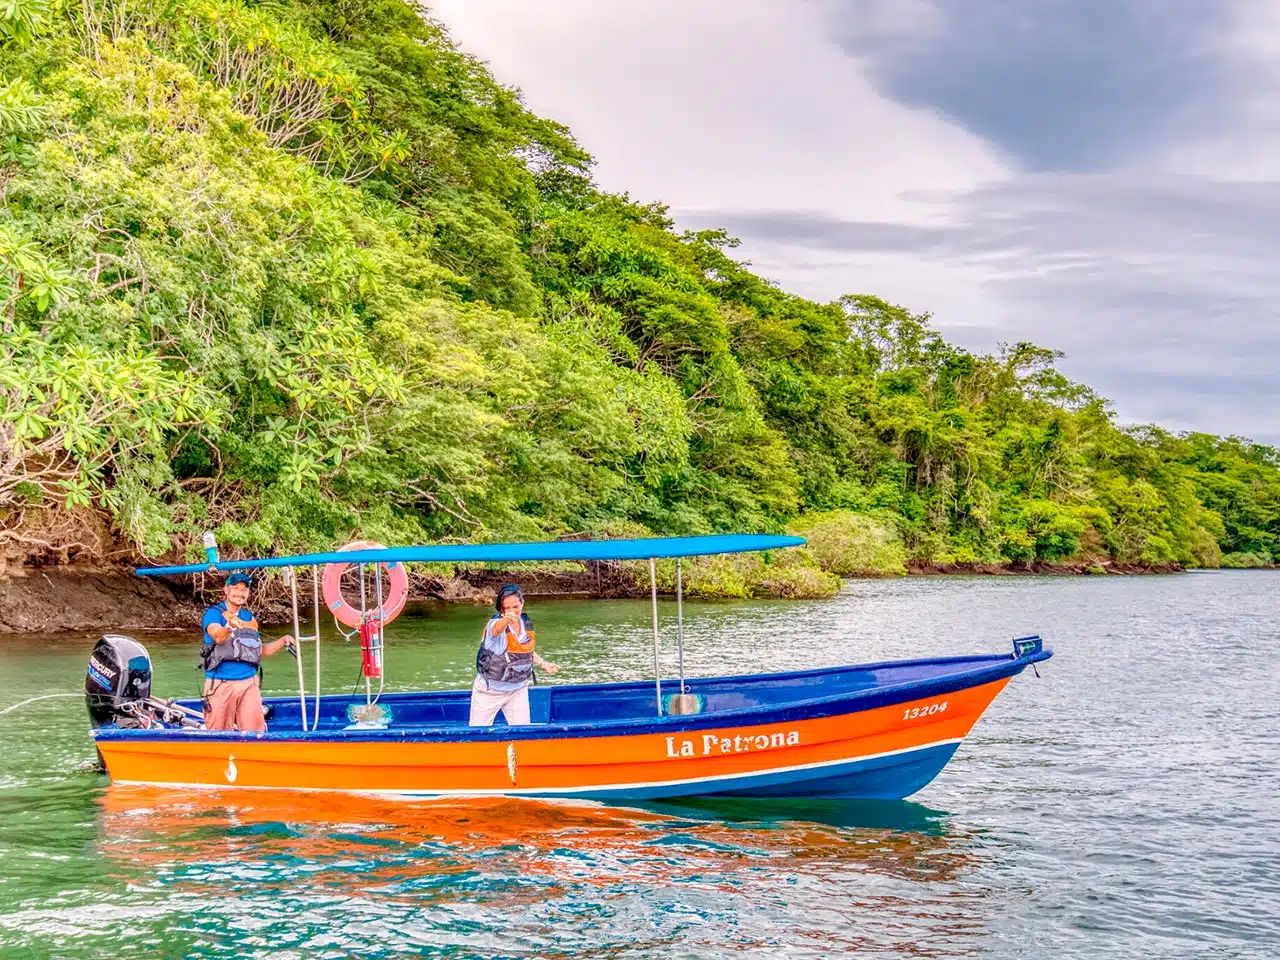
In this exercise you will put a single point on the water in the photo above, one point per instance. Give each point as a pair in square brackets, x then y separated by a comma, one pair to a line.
[1127, 805]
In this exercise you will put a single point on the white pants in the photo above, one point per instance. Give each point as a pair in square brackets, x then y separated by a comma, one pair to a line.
[486, 703]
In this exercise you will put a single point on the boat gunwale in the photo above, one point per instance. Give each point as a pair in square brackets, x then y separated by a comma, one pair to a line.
[867, 698]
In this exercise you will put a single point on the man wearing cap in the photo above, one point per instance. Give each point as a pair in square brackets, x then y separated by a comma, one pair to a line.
[505, 662]
[232, 650]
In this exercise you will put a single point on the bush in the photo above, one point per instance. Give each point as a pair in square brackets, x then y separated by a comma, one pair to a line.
[797, 582]
[791, 574]
[1204, 549]
[853, 545]
[1246, 561]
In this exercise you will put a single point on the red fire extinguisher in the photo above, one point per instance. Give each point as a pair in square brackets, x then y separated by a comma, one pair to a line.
[371, 648]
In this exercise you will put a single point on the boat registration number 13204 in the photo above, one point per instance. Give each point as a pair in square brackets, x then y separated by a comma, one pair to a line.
[914, 712]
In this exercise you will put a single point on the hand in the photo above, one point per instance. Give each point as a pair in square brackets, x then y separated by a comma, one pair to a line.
[550, 667]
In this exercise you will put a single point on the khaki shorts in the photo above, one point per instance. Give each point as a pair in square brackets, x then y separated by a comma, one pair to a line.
[233, 705]
[486, 703]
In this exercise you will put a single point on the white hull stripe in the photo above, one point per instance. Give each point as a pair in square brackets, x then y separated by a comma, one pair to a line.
[556, 791]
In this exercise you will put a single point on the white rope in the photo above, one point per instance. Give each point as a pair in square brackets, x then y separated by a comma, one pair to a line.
[381, 654]
[364, 619]
[292, 575]
[47, 696]
[315, 600]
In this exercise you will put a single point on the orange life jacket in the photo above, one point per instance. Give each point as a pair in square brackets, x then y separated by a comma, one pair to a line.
[514, 664]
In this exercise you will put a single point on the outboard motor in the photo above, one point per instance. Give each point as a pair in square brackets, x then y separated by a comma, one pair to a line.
[118, 682]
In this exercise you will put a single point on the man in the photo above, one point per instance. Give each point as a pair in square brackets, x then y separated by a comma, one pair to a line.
[232, 651]
[505, 662]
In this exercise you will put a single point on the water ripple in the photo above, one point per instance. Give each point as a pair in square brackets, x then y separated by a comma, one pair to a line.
[1124, 806]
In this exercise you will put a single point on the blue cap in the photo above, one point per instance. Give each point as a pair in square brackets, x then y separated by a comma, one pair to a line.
[239, 578]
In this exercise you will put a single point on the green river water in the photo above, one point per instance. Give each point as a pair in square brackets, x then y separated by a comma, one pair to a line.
[1125, 805]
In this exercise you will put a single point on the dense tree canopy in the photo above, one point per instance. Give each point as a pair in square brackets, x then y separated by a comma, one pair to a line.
[296, 271]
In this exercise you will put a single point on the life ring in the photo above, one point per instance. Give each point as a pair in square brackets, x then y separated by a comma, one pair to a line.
[349, 615]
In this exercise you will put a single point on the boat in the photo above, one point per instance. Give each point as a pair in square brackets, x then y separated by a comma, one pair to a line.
[866, 731]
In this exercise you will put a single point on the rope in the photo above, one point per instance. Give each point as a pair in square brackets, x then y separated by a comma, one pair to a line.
[297, 652]
[382, 635]
[47, 696]
[315, 599]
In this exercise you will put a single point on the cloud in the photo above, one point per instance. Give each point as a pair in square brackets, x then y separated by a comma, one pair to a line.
[1060, 84]
[1101, 176]
[1236, 135]
[724, 103]
[1162, 290]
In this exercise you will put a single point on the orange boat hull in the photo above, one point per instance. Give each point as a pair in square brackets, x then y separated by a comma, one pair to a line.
[888, 751]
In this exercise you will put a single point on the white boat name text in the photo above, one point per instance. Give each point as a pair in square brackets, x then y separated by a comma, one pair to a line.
[714, 743]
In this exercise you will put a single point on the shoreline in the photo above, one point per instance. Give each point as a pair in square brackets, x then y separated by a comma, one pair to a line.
[1037, 568]
[53, 599]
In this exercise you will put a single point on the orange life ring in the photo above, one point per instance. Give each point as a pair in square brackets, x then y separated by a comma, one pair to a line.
[349, 615]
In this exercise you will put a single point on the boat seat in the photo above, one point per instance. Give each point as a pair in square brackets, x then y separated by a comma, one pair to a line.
[727, 700]
[578, 707]
[539, 704]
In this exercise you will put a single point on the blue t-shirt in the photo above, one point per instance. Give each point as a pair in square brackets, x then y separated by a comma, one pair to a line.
[227, 670]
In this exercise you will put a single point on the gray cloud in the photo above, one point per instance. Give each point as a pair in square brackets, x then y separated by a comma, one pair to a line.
[1059, 84]
[1161, 288]
[1162, 291]
[1065, 215]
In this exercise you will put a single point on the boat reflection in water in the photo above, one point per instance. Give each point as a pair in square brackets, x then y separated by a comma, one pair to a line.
[557, 876]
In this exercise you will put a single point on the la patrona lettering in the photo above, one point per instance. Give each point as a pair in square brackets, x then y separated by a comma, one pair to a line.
[713, 743]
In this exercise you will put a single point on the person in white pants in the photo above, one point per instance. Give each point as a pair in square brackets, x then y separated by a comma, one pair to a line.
[505, 662]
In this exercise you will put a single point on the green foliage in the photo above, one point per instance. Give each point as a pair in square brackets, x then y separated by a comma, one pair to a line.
[792, 574]
[303, 271]
[853, 545]
[1247, 561]
[21, 21]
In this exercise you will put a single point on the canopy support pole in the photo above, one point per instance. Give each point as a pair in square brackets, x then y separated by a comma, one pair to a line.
[380, 653]
[680, 621]
[368, 688]
[315, 596]
[292, 574]
[653, 589]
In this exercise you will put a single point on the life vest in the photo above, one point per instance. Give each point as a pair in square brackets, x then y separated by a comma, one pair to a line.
[514, 663]
[243, 646]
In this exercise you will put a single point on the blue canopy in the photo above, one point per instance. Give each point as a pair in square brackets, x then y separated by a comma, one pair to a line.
[657, 547]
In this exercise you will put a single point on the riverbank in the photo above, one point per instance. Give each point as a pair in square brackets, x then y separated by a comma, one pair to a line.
[52, 599]
[1039, 568]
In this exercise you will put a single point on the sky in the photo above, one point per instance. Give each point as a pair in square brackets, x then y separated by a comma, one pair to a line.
[1097, 176]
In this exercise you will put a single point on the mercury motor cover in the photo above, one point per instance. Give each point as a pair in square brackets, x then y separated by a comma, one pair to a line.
[118, 681]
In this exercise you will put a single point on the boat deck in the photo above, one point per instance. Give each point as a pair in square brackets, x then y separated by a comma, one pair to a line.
[589, 707]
